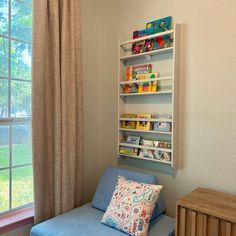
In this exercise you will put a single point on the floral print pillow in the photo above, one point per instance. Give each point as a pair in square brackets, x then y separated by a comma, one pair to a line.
[131, 206]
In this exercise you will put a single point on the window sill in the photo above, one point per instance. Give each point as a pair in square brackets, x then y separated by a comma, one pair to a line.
[16, 218]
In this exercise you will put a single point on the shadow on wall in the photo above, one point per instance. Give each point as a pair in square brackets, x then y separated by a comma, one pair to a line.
[147, 165]
[161, 167]
[182, 95]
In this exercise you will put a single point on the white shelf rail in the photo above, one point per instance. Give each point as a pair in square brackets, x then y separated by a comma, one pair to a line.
[147, 54]
[146, 158]
[146, 37]
[146, 93]
[146, 119]
[146, 80]
[145, 147]
[144, 131]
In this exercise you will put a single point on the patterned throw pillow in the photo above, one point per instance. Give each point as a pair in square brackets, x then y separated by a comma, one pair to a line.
[131, 206]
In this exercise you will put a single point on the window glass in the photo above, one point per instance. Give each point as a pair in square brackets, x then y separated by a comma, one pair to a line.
[20, 60]
[21, 23]
[15, 104]
[20, 99]
[4, 191]
[4, 17]
[4, 50]
[3, 98]
[4, 146]
[21, 145]
[22, 185]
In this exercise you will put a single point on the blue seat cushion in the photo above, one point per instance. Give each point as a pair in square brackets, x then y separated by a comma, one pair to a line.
[108, 182]
[85, 221]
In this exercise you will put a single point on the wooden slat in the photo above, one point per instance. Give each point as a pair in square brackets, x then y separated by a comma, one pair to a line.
[204, 226]
[233, 229]
[201, 224]
[228, 229]
[188, 222]
[182, 221]
[212, 226]
[222, 228]
[193, 223]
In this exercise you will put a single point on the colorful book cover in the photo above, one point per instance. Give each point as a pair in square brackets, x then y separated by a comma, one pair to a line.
[143, 125]
[128, 124]
[152, 27]
[162, 42]
[127, 150]
[159, 25]
[141, 69]
[162, 126]
[147, 76]
[133, 140]
[144, 45]
[129, 115]
[154, 86]
[146, 153]
[128, 73]
[144, 116]
[133, 72]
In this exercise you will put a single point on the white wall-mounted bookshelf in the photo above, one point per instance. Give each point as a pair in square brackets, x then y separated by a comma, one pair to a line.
[164, 101]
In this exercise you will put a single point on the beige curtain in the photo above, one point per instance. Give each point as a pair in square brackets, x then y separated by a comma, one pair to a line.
[57, 107]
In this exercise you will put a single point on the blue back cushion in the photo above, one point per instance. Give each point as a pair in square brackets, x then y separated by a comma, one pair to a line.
[108, 182]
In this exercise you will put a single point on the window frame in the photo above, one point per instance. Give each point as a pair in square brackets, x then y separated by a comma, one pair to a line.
[11, 121]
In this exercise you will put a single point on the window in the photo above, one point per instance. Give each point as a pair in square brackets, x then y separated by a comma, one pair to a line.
[16, 182]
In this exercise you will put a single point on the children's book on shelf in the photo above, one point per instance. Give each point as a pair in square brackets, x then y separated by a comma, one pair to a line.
[161, 116]
[144, 115]
[133, 139]
[132, 72]
[147, 76]
[155, 143]
[140, 72]
[164, 156]
[162, 144]
[143, 125]
[129, 115]
[128, 124]
[146, 153]
[159, 42]
[162, 126]
[160, 25]
[157, 155]
[128, 151]
[147, 143]
[147, 87]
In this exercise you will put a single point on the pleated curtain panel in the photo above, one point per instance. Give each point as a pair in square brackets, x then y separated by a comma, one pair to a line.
[57, 119]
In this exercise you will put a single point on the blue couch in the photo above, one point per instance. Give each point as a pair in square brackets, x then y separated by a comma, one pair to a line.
[85, 220]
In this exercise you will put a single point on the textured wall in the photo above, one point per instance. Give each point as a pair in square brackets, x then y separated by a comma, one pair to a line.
[207, 127]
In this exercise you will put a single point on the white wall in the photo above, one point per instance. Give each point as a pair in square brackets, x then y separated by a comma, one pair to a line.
[92, 72]
[207, 128]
